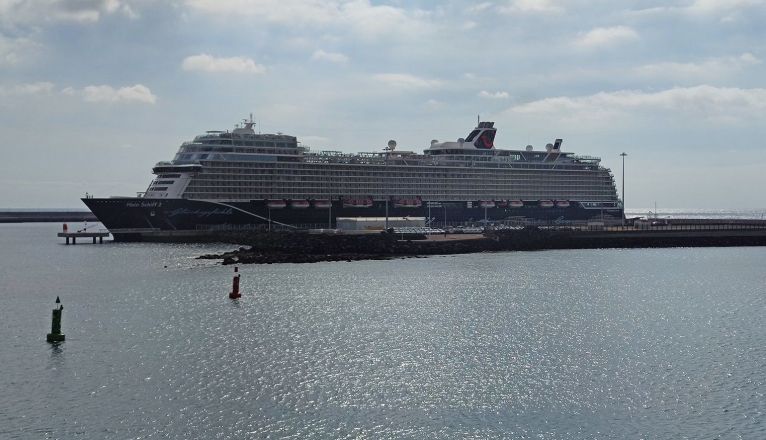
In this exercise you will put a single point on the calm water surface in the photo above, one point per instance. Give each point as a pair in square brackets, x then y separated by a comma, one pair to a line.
[640, 343]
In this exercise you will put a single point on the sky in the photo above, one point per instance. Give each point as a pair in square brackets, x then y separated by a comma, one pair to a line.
[94, 92]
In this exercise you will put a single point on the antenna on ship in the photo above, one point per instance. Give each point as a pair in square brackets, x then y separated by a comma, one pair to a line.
[478, 120]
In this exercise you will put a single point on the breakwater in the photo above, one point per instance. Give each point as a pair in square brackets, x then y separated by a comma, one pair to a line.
[297, 247]
[23, 216]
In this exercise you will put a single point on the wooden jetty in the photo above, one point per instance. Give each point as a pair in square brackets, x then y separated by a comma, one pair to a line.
[75, 235]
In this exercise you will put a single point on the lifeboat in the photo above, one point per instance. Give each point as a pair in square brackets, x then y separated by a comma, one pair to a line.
[562, 203]
[357, 203]
[501, 203]
[322, 204]
[276, 204]
[516, 204]
[299, 204]
[408, 203]
[487, 203]
[545, 204]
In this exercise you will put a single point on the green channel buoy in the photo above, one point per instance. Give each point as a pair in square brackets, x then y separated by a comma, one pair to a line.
[55, 335]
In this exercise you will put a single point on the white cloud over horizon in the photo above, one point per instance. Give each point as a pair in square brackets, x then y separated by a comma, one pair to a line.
[407, 81]
[13, 50]
[333, 57]
[494, 95]
[715, 67]
[37, 88]
[108, 94]
[360, 17]
[606, 37]
[208, 63]
[531, 6]
[25, 12]
[719, 104]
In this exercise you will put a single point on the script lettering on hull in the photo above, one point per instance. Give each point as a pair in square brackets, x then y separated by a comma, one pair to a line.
[200, 213]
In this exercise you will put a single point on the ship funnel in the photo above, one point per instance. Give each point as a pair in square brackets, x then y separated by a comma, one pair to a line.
[484, 135]
[557, 144]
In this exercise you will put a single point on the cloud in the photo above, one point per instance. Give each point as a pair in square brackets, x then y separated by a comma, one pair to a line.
[208, 63]
[494, 95]
[102, 93]
[711, 68]
[481, 7]
[357, 16]
[435, 104]
[724, 10]
[137, 93]
[406, 81]
[38, 88]
[79, 11]
[718, 6]
[609, 36]
[531, 7]
[333, 57]
[708, 102]
[13, 50]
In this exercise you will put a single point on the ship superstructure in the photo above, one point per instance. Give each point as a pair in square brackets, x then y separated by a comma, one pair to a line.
[243, 177]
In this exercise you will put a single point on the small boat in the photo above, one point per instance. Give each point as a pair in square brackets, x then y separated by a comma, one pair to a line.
[408, 203]
[501, 203]
[487, 203]
[545, 204]
[322, 204]
[516, 204]
[357, 203]
[276, 204]
[562, 203]
[299, 204]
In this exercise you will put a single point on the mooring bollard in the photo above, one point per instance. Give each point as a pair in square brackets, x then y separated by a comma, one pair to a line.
[234, 294]
[55, 335]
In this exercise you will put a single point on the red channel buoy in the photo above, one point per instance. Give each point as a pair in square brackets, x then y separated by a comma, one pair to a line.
[234, 294]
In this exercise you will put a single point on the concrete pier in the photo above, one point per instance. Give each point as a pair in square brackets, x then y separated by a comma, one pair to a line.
[75, 235]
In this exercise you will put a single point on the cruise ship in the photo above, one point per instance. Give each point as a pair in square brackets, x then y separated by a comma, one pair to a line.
[242, 179]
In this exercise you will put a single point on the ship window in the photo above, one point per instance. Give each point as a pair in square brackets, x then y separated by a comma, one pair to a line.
[472, 135]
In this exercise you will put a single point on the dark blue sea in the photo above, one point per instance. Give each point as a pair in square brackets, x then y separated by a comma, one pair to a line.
[570, 344]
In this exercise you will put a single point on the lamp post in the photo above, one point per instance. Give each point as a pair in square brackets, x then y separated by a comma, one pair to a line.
[623, 154]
